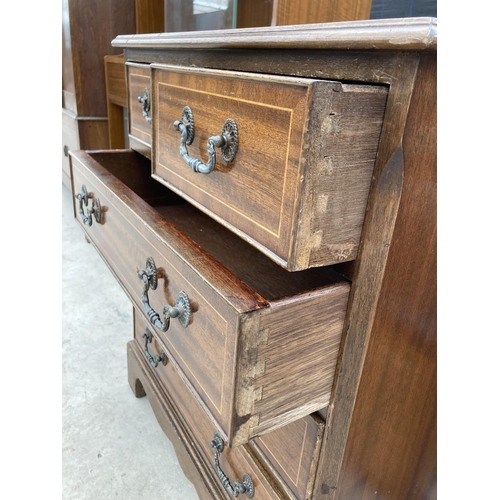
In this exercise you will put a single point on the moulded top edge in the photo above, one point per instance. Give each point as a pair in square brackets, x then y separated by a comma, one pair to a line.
[418, 33]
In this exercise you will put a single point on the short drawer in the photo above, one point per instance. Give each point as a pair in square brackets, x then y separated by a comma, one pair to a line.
[257, 345]
[291, 451]
[139, 106]
[295, 165]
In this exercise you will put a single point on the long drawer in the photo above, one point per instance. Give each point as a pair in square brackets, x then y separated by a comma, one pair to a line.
[284, 162]
[290, 452]
[256, 344]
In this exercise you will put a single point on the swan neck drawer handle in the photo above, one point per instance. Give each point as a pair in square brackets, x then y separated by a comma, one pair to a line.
[181, 310]
[153, 360]
[145, 100]
[94, 210]
[227, 141]
[245, 486]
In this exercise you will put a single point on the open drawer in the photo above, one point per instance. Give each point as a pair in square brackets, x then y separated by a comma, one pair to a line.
[256, 344]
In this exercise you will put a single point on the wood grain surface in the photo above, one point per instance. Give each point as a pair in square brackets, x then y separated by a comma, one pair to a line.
[194, 465]
[253, 13]
[270, 119]
[150, 16]
[116, 95]
[116, 85]
[391, 177]
[88, 29]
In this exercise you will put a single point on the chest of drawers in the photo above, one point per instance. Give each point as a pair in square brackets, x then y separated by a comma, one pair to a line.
[274, 227]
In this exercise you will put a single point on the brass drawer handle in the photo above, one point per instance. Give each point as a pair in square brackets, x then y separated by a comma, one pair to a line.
[227, 141]
[145, 100]
[94, 210]
[153, 360]
[181, 310]
[246, 485]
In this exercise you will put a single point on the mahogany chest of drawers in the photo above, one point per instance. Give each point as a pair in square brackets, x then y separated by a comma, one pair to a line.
[274, 227]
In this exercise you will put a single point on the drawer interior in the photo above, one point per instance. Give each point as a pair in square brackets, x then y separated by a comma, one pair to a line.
[134, 170]
[248, 264]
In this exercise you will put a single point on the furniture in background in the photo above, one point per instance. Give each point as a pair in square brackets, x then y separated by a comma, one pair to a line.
[196, 15]
[288, 12]
[87, 30]
[274, 225]
[116, 97]
[253, 13]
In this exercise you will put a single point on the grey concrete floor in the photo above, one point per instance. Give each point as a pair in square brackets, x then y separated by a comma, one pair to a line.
[113, 446]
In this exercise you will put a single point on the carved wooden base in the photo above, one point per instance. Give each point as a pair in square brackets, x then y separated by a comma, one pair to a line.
[143, 382]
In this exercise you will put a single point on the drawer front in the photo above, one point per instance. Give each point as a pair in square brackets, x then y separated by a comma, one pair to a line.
[234, 462]
[139, 106]
[298, 184]
[230, 351]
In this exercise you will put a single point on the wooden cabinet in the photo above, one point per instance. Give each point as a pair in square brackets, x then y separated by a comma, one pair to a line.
[274, 380]
[88, 27]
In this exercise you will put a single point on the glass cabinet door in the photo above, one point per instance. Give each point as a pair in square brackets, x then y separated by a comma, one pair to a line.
[198, 15]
